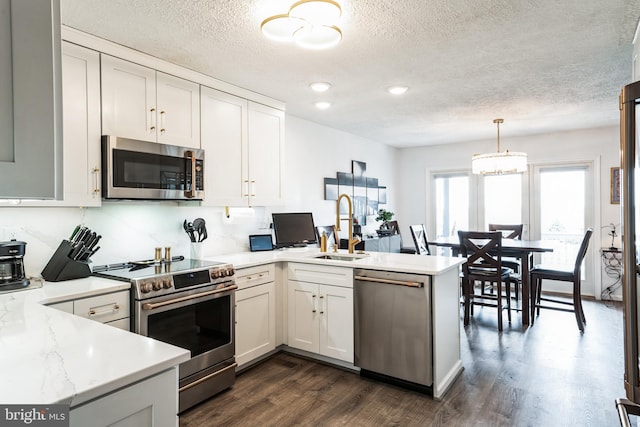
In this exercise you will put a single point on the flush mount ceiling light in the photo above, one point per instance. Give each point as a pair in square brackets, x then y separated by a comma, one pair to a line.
[397, 90]
[320, 86]
[322, 105]
[310, 24]
[500, 163]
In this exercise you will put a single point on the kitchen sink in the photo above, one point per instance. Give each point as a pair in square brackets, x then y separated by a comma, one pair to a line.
[341, 257]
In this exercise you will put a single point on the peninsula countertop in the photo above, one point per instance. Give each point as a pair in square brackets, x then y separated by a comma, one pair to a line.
[50, 356]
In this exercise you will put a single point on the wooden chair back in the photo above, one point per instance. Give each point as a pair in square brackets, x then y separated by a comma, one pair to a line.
[483, 250]
[394, 227]
[581, 253]
[509, 231]
[420, 239]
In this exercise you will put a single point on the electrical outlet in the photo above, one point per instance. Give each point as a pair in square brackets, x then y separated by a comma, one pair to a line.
[13, 232]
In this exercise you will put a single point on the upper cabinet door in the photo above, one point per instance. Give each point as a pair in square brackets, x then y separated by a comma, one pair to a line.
[30, 100]
[224, 132]
[178, 112]
[128, 99]
[81, 103]
[266, 154]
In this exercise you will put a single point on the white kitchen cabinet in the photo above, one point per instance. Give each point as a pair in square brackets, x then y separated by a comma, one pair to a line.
[255, 313]
[248, 139]
[320, 310]
[81, 125]
[141, 103]
[30, 100]
[81, 129]
[152, 402]
[112, 309]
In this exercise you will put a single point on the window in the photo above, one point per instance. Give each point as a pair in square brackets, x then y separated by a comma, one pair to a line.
[502, 199]
[562, 207]
[451, 204]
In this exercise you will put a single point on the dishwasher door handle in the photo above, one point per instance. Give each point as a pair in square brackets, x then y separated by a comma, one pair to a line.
[389, 281]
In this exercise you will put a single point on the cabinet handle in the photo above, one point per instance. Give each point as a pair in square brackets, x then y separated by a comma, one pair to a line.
[321, 308]
[162, 128]
[96, 179]
[111, 308]
[253, 188]
[313, 296]
[246, 188]
[152, 117]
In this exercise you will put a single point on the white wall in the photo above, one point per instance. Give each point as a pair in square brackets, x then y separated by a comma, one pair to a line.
[131, 230]
[599, 145]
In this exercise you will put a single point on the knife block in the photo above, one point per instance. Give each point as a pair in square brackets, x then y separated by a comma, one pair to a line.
[60, 267]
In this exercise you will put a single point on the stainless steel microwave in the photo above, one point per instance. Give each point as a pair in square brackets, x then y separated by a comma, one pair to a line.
[144, 170]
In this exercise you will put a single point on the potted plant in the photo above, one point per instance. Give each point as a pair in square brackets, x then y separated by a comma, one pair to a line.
[385, 216]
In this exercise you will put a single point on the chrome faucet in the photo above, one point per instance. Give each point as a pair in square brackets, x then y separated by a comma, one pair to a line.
[351, 242]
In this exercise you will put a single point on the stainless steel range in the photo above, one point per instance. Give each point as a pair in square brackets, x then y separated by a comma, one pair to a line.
[190, 304]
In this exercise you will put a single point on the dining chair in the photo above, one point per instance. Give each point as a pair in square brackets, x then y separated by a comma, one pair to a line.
[395, 229]
[483, 250]
[329, 231]
[542, 272]
[511, 231]
[420, 239]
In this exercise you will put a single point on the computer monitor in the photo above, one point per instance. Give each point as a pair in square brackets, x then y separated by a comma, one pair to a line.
[294, 229]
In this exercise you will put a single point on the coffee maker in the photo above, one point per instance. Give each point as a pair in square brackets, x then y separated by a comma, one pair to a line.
[12, 275]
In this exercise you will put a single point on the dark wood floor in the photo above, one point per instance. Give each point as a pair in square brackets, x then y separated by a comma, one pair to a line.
[545, 375]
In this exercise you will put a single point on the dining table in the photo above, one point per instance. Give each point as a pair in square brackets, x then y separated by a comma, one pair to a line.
[521, 249]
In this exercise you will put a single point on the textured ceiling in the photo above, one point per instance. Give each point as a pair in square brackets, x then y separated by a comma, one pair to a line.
[542, 65]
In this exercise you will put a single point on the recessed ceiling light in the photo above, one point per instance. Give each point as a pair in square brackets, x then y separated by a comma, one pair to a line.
[322, 105]
[320, 86]
[397, 90]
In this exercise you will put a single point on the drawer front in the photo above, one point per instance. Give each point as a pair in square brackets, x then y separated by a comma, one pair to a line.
[253, 276]
[322, 274]
[103, 308]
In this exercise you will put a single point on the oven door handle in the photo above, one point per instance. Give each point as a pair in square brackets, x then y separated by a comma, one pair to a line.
[154, 305]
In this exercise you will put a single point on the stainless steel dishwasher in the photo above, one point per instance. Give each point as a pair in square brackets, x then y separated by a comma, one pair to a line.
[392, 316]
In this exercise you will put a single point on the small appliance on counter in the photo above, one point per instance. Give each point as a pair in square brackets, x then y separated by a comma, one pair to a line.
[12, 275]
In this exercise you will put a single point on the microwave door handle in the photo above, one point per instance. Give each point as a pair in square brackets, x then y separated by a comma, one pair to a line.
[191, 193]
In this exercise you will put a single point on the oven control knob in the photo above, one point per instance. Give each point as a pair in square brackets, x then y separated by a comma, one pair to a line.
[166, 283]
[157, 285]
[216, 274]
[230, 272]
[145, 288]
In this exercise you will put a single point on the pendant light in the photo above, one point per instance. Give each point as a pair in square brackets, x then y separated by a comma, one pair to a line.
[499, 163]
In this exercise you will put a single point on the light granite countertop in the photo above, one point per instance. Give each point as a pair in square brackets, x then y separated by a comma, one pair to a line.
[50, 356]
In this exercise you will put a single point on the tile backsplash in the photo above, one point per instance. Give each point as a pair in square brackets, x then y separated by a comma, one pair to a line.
[130, 231]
